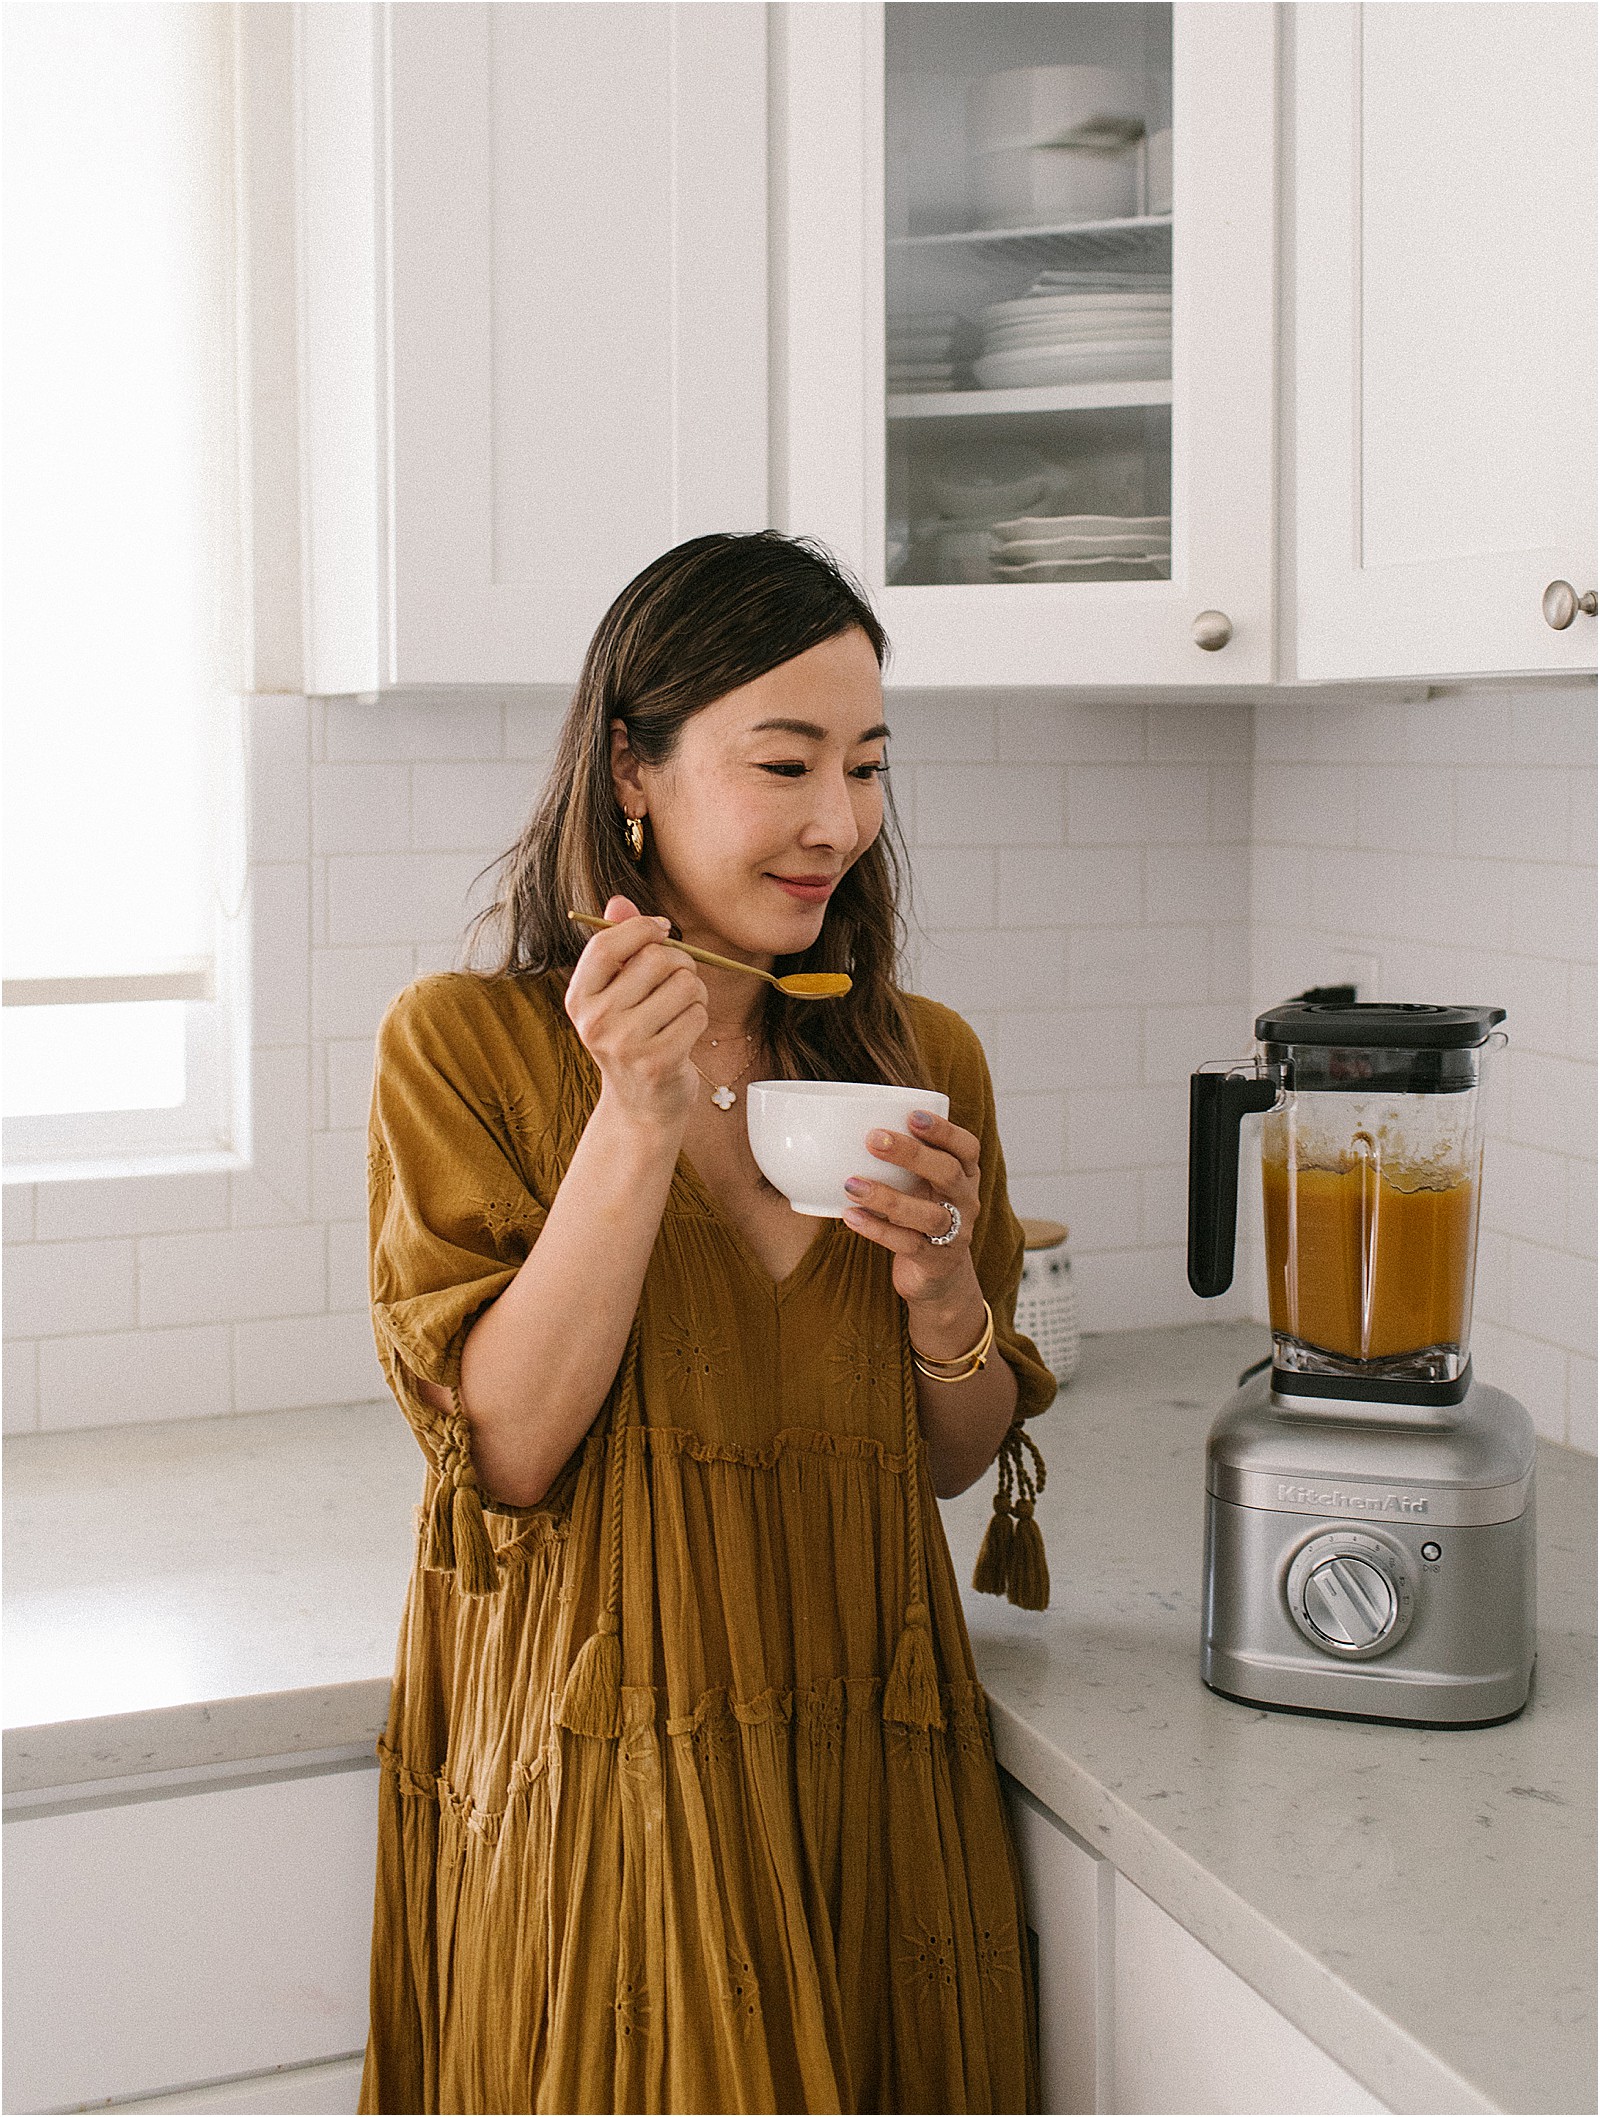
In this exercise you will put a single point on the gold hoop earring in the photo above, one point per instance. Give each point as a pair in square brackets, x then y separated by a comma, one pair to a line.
[633, 830]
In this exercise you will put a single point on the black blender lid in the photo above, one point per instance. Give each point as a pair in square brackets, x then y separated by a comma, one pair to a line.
[1380, 1025]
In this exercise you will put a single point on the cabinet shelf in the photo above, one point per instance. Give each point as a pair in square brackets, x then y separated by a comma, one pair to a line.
[1052, 397]
[1141, 243]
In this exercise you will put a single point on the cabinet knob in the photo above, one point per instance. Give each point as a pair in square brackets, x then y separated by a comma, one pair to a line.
[1214, 628]
[1561, 603]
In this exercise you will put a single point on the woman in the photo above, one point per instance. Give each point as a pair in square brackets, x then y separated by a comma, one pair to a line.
[688, 1800]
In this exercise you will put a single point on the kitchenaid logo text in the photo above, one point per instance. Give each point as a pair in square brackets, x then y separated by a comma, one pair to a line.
[1335, 1499]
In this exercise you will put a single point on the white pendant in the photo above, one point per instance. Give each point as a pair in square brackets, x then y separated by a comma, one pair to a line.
[723, 1098]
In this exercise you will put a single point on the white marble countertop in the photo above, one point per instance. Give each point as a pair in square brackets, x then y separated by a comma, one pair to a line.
[209, 1593]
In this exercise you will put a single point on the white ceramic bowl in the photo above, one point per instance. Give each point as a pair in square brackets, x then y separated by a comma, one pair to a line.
[808, 1136]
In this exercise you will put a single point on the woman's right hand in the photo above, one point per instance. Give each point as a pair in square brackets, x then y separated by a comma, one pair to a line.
[639, 1007]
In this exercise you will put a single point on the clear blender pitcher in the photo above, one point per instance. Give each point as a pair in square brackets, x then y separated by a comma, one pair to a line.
[1371, 1153]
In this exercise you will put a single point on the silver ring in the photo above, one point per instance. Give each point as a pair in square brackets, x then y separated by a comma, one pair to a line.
[954, 1229]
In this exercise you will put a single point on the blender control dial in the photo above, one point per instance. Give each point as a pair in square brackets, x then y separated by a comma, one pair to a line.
[1350, 1594]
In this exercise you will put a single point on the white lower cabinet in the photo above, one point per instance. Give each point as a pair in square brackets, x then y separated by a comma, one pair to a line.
[1137, 2015]
[204, 1950]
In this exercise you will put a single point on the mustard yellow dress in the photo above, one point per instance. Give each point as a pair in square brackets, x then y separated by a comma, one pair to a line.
[688, 1798]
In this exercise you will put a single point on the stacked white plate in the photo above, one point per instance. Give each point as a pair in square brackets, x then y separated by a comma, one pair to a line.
[922, 351]
[1083, 548]
[1081, 326]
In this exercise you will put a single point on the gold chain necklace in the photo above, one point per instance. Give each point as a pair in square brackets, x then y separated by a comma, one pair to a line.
[722, 1094]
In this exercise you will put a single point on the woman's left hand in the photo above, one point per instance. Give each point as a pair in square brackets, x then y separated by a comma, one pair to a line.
[944, 1159]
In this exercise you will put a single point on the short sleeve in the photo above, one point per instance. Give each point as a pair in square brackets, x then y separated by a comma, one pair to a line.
[450, 1217]
[997, 1249]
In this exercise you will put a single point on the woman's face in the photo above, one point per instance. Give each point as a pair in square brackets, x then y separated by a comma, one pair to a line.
[743, 802]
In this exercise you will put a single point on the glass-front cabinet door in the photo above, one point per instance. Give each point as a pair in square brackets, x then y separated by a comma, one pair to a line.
[1026, 282]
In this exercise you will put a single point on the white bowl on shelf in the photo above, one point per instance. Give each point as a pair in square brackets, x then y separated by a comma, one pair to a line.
[1000, 480]
[1037, 106]
[1024, 187]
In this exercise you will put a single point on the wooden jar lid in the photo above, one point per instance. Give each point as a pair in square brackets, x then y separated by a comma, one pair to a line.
[1042, 1234]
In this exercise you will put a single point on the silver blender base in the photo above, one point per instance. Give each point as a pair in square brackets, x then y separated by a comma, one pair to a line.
[1439, 1523]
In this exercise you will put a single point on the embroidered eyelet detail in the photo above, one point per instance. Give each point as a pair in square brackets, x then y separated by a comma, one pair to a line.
[715, 1740]
[822, 1717]
[744, 1989]
[503, 1217]
[695, 1353]
[865, 1366]
[632, 2008]
[380, 1169]
[928, 1957]
[997, 1956]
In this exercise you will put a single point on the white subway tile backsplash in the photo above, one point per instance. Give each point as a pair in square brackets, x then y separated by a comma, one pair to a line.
[1183, 882]
[1061, 730]
[1005, 805]
[1583, 828]
[219, 1278]
[1551, 1103]
[385, 899]
[1138, 965]
[339, 1174]
[1231, 800]
[1524, 1191]
[1581, 1011]
[999, 970]
[1179, 1039]
[1164, 1218]
[532, 726]
[955, 887]
[360, 808]
[280, 953]
[1552, 1296]
[19, 1386]
[53, 1288]
[349, 1084]
[479, 808]
[1151, 804]
[1520, 813]
[1553, 725]
[1534, 1373]
[1101, 1209]
[1068, 886]
[277, 745]
[1061, 1047]
[1304, 804]
[938, 727]
[1553, 912]
[348, 1279]
[1230, 964]
[1580, 1223]
[18, 1199]
[1581, 1403]
[351, 987]
[1405, 808]
[122, 1377]
[305, 1361]
[1126, 1128]
[416, 724]
[1033, 1132]
[1460, 727]
[1211, 734]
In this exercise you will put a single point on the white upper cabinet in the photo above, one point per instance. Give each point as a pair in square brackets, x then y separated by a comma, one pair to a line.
[1024, 278]
[1443, 336]
[533, 253]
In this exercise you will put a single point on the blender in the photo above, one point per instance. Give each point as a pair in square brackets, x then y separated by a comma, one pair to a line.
[1369, 1546]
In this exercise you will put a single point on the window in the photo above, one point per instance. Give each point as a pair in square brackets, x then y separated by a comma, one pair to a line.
[123, 591]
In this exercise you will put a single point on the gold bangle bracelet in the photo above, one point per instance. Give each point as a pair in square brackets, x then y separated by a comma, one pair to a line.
[965, 1364]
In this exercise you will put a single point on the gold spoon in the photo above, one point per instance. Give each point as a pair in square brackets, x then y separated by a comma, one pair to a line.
[798, 984]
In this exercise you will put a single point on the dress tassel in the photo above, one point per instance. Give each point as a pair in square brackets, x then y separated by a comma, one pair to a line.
[439, 1556]
[911, 1695]
[591, 1699]
[993, 1570]
[1011, 1558]
[1028, 1579]
[477, 1567]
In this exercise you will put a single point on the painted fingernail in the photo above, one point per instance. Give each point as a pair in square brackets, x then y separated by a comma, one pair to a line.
[921, 1119]
[881, 1139]
[855, 1186]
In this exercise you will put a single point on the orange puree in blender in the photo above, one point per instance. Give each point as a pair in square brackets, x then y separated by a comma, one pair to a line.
[1417, 1246]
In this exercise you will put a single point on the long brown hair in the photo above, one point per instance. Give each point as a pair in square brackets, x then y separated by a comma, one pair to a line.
[704, 618]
